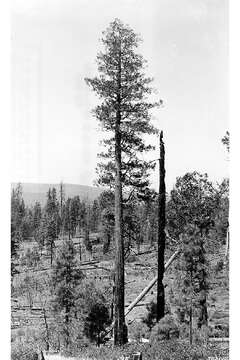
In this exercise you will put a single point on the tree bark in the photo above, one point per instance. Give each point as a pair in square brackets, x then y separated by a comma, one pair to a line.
[119, 322]
[161, 231]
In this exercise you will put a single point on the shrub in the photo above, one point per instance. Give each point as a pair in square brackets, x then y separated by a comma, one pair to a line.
[137, 331]
[164, 329]
[200, 336]
[219, 331]
[219, 266]
[151, 317]
[96, 322]
[30, 258]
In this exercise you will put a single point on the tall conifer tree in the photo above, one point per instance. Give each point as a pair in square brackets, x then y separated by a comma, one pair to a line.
[124, 114]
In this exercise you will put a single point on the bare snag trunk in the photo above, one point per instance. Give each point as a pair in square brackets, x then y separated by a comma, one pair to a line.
[161, 231]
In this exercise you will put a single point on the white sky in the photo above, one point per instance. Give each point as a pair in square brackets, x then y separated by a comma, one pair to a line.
[54, 46]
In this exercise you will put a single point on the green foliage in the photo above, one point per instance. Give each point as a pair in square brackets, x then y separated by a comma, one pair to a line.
[123, 88]
[151, 317]
[17, 224]
[52, 221]
[66, 276]
[192, 275]
[226, 141]
[30, 258]
[66, 280]
[164, 329]
[219, 266]
[138, 330]
[94, 216]
[193, 201]
[200, 336]
[96, 322]
[36, 220]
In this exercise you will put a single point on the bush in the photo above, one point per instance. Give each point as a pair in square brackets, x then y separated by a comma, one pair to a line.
[200, 336]
[96, 322]
[30, 258]
[165, 329]
[219, 331]
[151, 318]
[137, 331]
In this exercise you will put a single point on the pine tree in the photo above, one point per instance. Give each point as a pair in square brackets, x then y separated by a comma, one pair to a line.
[123, 86]
[18, 212]
[52, 220]
[66, 279]
[226, 141]
[193, 200]
[192, 278]
[94, 216]
[75, 205]
[124, 113]
[96, 322]
[61, 203]
[37, 216]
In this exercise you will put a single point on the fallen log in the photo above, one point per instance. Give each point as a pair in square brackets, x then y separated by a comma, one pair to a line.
[150, 285]
[145, 291]
[218, 339]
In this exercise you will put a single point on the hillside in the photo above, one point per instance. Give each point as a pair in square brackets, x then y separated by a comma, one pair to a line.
[33, 192]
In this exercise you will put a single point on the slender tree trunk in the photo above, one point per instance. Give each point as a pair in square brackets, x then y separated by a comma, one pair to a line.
[190, 324]
[61, 207]
[190, 315]
[47, 329]
[67, 309]
[161, 232]
[120, 336]
[80, 251]
[203, 316]
[226, 247]
[51, 253]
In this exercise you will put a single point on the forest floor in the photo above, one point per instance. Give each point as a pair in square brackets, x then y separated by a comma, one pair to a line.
[140, 269]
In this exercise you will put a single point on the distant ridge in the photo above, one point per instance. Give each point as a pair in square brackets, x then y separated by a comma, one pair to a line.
[33, 192]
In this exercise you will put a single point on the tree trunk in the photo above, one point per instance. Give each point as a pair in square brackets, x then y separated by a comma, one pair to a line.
[47, 330]
[161, 232]
[61, 207]
[67, 309]
[203, 316]
[120, 336]
[51, 253]
[190, 313]
[80, 251]
[190, 324]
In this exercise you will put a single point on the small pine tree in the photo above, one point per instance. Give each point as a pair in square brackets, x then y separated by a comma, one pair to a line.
[96, 322]
[66, 279]
[192, 277]
[17, 220]
[52, 220]
[151, 318]
[37, 216]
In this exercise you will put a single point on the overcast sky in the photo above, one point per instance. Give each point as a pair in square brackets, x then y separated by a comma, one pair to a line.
[54, 46]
